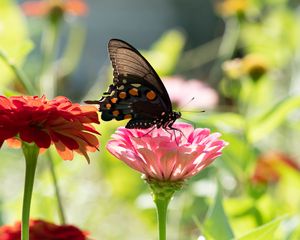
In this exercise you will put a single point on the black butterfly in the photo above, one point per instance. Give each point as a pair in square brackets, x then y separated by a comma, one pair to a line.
[137, 92]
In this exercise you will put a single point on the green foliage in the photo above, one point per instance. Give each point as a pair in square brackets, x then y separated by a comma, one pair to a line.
[265, 123]
[266, 231]
[14, 41]
[273, 35]
[255, 115]
[165, 53]
[216, 225]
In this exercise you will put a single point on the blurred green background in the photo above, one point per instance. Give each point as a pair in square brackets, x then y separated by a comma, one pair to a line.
[238, 58]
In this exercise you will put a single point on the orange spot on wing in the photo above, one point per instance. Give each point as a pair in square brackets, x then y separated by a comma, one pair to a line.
[122, 95]
[114, 100]
[134, 92]
[127, 116]
[116, 113]
[151, 95]
[108, 105]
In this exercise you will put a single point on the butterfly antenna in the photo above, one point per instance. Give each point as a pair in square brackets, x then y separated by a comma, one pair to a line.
[189, 111]
[189, 121]
[91, 101]
[192, 99]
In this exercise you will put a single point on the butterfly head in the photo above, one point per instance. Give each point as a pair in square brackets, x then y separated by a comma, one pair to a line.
[176, 115]
[173, 116]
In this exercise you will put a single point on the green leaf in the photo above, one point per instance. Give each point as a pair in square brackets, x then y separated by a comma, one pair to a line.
[217, 226]
[283, 37]
[288, 187]
[165, 53]
[239, 155]
[266, 231]
[229, 122]
[272, 118]
[14, 41]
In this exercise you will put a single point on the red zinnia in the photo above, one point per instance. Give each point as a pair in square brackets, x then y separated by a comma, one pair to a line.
[43, 122]
[41, 8]
[42, 230]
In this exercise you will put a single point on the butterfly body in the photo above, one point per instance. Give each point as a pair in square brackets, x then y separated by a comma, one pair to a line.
[137, 92]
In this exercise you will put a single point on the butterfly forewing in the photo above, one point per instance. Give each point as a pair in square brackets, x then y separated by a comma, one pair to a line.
[126, 60]
[113, 46]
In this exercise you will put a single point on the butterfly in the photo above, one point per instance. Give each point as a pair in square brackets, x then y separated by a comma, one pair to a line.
[137, 92]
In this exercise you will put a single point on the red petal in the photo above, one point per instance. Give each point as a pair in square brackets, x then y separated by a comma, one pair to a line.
[42, 139]
[14, 142]
[63, 151]
[69, 142]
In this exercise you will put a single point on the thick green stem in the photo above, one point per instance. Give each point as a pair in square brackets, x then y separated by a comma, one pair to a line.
[31, 152]
[22, 78]
[161, 209]
[162, 192]
[57, 192]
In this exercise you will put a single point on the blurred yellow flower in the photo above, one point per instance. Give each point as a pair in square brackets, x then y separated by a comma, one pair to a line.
[233, 68]
[253, 65]
[231, 7]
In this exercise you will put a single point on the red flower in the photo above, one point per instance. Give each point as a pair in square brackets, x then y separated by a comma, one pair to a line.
[41, 8]
[266, 171]
[43, 122]
[42, 230]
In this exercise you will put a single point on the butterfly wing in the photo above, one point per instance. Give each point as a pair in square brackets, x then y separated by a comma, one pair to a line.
[113, 46]
[136, 100]
[137, 92]
[126, 60]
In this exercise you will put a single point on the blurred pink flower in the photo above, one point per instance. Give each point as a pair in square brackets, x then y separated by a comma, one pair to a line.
[159, 156]
[181, 91]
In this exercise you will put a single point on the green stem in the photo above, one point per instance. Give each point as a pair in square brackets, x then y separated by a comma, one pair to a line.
[227, 46]
[23, 79]
[161, 208]
[49, 44]
[31, 152]
[49, 50]
[162, 192]
[57, 191]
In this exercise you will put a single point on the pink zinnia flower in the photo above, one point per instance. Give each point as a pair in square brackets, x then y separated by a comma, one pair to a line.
[166, 155]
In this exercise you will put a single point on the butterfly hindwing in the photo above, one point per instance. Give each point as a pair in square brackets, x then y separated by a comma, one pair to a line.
[135, 99]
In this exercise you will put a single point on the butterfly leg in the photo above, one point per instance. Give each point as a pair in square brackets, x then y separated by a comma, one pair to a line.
[170, 127]
[149, 131]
